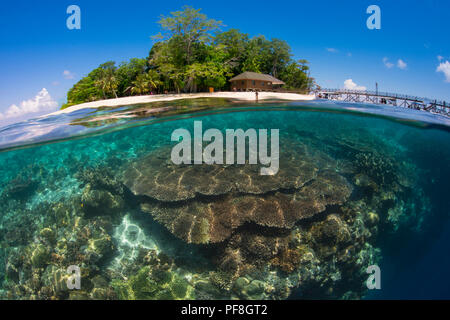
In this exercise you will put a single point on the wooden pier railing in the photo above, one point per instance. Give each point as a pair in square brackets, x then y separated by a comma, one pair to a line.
[411, 102]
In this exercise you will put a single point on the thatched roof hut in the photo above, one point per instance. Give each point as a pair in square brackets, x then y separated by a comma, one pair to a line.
[254, 81]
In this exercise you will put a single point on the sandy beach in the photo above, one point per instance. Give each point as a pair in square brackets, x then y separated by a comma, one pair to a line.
[244, 96]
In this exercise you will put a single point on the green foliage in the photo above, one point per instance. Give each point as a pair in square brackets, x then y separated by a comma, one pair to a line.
[127, 72]
[295, 75]
[188, 29]
[145, 82]
[106, 80]
[191, 54]
[266, 56]
[83, 91]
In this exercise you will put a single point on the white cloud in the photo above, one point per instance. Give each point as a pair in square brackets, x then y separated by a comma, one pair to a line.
[440, 58]
[41, 102]
[401, 64]
[444, 67]
[387, 63]
[68, 75]
[350, 85]
[333, 50]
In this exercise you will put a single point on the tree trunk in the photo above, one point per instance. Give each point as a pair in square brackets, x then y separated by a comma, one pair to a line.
[188, 52]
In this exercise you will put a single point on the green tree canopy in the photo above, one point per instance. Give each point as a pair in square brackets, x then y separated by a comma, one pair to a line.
[187, 28]
[127, 72]
[191, 54]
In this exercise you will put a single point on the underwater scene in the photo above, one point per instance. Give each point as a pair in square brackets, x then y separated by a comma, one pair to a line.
[356, 186]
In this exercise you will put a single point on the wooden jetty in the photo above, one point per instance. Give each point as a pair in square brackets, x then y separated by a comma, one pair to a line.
[417, 103]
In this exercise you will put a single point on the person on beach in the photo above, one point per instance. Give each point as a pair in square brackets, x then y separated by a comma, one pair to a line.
[256, 95]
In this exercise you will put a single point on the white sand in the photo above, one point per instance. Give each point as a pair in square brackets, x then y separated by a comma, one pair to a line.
[244, 96]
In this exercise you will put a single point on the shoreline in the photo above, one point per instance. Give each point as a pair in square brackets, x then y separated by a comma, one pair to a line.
[242, 96]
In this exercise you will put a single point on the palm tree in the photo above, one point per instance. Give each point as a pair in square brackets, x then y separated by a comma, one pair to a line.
[153, 79]
[101, 84]
[139, 86]
[145, 82]
[107, 82]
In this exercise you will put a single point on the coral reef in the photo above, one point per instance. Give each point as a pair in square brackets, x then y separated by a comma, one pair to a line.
[209, 221]
[155, 281]
[378, 167]
[206, 203]
[217, 231]
[157, 177]
[38, 270]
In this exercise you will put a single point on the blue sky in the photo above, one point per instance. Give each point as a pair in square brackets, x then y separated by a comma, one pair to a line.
[37, 48]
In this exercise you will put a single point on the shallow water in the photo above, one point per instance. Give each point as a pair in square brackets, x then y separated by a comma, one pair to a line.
[375, 192]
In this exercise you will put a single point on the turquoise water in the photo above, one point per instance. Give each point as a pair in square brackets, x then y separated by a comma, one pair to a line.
[376, 183]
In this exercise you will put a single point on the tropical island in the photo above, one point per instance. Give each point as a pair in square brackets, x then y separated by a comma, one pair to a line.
[191, 55]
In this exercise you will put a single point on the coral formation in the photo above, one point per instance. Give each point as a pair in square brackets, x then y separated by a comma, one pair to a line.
[217, 231]
[212, 221]
[156, 176]
[206, 203]
[156, 280]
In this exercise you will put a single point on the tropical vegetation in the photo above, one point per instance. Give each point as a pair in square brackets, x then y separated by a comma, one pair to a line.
[191, 54]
